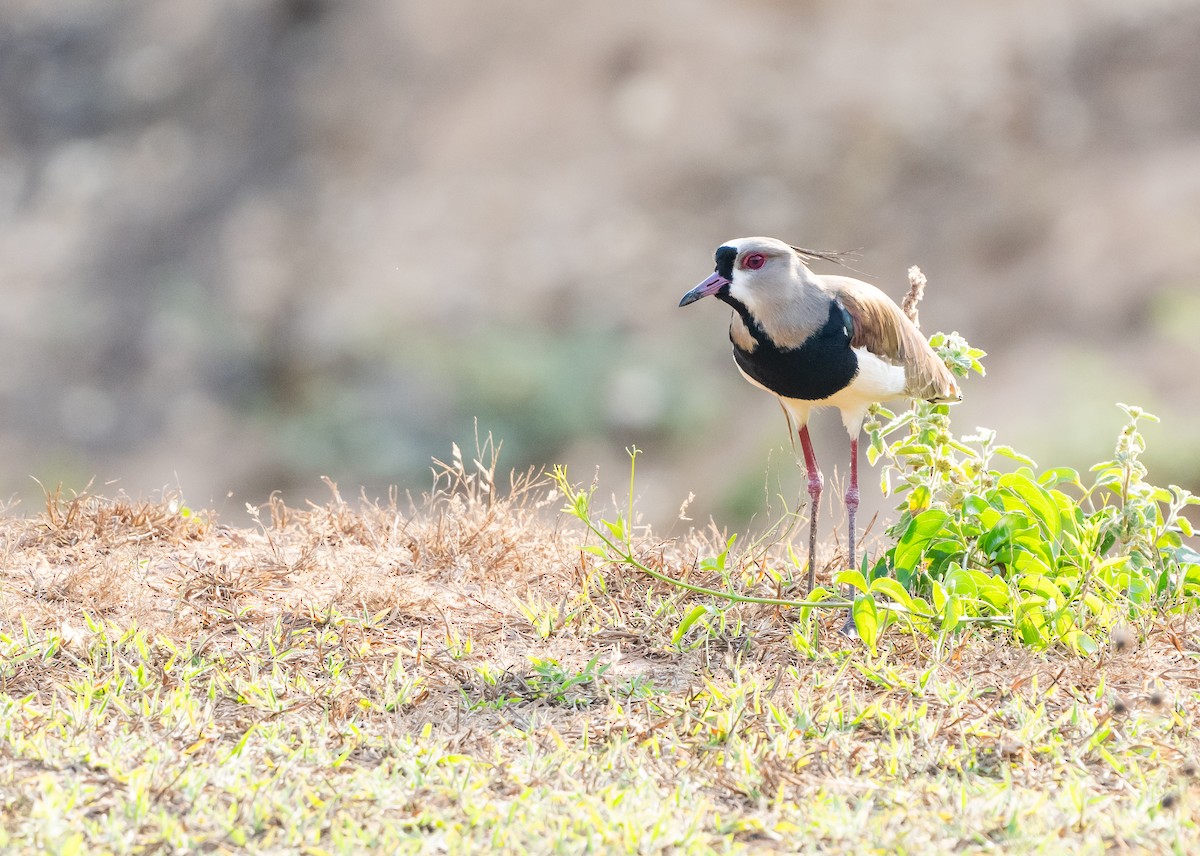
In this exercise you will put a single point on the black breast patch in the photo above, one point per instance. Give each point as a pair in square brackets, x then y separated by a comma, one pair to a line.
[823, 365]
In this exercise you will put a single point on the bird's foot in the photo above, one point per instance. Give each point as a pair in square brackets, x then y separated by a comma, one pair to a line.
[848, 629]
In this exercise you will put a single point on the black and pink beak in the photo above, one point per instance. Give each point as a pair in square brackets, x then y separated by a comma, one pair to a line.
[710, 286]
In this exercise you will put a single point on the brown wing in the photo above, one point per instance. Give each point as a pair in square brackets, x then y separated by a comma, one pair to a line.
[882, 328]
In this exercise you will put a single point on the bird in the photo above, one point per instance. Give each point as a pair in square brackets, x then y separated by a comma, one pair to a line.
[820, 341]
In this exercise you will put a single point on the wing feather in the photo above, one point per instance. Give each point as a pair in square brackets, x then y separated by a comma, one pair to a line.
[881, 327]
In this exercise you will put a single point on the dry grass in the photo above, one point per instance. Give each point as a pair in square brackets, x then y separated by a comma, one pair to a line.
[454, 674]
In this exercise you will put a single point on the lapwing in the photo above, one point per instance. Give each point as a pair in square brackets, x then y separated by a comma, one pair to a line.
[820, 341]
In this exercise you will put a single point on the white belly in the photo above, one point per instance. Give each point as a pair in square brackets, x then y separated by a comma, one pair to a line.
[876, 380]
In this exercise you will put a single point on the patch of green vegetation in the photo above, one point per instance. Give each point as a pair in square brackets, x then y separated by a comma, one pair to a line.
[285, 742]
[1062, 560]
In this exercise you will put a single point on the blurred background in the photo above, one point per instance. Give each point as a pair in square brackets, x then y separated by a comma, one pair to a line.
[247, 244]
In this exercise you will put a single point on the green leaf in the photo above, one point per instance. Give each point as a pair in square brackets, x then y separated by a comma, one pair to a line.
[866, 620]
[1114, 572]
[1111, 478]
[952, 614]
[892, 590]
[1057, 476]
[915, 449]
[1139, 591]
[1039, 585]
[962, 447]
[852, 577]
[1010, 452]
[1031, 624]
[1037, 499]
[1098, 605]
[942, 552]
[923, 527]
[996, 594]
[998, 542]
[241, 744]
[961, 582]
[1164, 583]
[1070, 515]
[1024, 561]
[973, 505]
[818, 594]
[1064, 622]
[617, 528]
[918, 499]
[1169, 541]
[938, 591]
[1081, 643]
[694, 615]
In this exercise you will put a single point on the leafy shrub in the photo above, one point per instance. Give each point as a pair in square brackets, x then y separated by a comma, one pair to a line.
[1059, 557]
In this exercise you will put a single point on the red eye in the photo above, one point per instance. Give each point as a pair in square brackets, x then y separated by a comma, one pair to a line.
[754, 261]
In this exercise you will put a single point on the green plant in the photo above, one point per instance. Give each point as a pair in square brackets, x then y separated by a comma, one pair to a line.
[1058, 558]
[549, 680]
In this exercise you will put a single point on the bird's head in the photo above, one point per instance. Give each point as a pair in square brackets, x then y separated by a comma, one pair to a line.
[750, 269]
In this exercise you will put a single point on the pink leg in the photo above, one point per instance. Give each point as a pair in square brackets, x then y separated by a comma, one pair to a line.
[848, 629]
[852, 498]
[815, 483]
